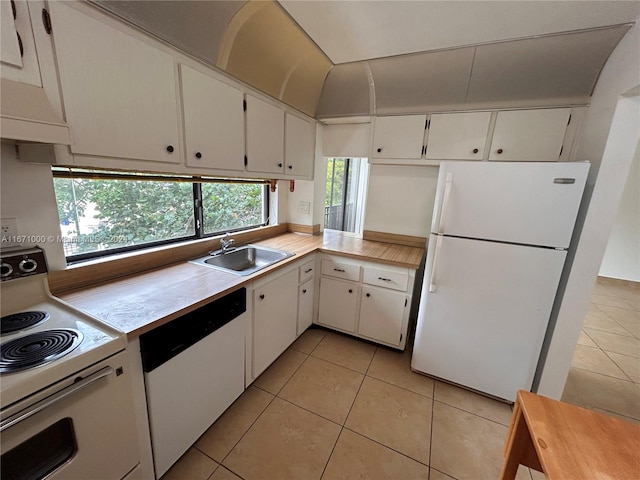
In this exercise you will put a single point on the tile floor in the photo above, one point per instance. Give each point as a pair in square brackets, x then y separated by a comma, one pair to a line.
[605, 375]
[333, 407]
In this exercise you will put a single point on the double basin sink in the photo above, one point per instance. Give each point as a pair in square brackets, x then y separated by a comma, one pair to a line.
[243, 260]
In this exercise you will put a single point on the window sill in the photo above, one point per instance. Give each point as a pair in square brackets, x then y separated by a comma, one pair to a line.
[108, 268]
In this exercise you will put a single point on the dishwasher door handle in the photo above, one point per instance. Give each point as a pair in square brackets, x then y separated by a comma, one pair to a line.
[55, 398]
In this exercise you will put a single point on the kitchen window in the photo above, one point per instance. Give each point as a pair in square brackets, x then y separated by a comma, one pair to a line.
[103, 213]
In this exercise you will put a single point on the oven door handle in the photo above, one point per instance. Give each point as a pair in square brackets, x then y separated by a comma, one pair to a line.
[56, 397]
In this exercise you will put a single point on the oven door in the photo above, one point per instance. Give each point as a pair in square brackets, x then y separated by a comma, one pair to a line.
[81, 427]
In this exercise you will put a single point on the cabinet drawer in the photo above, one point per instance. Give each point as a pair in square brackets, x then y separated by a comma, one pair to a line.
[306, 271]
[341, 270]
[386, 278]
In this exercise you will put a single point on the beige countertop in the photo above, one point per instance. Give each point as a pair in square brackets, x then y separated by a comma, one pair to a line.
[139, 303]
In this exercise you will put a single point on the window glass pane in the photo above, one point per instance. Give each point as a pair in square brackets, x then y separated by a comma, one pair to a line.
[344, 197]
[99, 215]
[229, 206]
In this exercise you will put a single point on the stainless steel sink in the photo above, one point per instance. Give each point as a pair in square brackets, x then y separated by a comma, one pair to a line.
[243, 260]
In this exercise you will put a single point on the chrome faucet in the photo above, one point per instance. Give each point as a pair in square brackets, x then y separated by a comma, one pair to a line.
[226, 243]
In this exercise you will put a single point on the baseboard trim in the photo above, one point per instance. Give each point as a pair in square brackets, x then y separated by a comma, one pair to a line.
[618, 281]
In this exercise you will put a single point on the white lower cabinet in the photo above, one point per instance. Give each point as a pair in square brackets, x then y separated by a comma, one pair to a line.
[305, 306]
[339, 301]
[381, 314]
[366, 299]
[274, 318]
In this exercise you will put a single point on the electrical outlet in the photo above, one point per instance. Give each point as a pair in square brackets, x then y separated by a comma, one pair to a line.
[9, 227]
[9, 233]
[305, 207]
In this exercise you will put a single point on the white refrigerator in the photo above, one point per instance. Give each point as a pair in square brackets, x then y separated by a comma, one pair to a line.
[498, 243]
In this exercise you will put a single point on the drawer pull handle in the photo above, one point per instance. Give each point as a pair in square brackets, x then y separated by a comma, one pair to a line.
[350, 291]
[262, 297]
[304, 291]
[384, 279]
[310, 270]
[339, 270]
[368, 295]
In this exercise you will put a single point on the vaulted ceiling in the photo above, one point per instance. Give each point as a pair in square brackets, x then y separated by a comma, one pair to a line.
[343, 58]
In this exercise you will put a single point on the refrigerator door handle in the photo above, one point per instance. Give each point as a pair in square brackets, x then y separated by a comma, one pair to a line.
[445, 202]
[434, 269]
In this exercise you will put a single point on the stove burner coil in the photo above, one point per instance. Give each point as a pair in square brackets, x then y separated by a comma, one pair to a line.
[21, 321]
[37, 349]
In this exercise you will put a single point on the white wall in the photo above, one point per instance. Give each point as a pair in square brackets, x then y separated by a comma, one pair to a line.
[400, 199]
[28, 196]
[622, 257]
[610, 144]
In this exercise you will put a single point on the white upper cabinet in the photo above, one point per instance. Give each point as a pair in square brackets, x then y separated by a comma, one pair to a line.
[298, 146]
[17, 45]
[399, 137]
[119, 92]
[213, 122]
[529, 135]
[265, 137]
[457, 136]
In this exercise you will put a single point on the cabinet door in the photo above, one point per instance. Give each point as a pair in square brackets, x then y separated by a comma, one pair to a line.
[275, 313]
[119, 92]
[399, 137]
[265, 137]
[305, 306]
[213, 122]
[338, 306]
[529, 135]
[298, 146]
[457, 136]
[17, 45]
[381, 314]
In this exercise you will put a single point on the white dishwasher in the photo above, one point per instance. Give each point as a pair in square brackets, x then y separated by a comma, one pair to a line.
[194, 369]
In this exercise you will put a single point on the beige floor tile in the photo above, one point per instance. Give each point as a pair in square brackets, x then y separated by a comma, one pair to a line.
[585, 340]
[395, 417]
[193, 465]
[222, 473]
[395, 368]
[309, 340]
[466, 446]
[615, 343]
[358, 457]
[323, 388]
[628, 319]
[599, 320]
[536, 475]
[345, 351]
[221, 437]
[595, 360]
[607, 300]
[600, 391]
[274, 378]
[629, 365]
[616, 290]
[473, 403]
[286, 442]
[436, 475]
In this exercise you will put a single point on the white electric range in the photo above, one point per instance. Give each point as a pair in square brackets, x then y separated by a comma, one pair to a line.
[63, 377]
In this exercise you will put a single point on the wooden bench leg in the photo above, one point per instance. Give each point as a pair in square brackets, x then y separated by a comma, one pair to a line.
[519, 448]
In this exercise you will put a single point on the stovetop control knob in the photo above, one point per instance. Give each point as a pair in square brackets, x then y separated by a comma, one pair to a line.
[28, 265]
[5, 270]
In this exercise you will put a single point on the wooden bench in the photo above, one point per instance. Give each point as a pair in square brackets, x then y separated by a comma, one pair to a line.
[567, 442]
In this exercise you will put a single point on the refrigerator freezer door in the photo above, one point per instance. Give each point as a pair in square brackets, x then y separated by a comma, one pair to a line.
[483, 323]
[519, 202]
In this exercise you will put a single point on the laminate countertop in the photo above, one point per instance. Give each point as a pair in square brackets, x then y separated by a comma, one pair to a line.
[139, 303]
